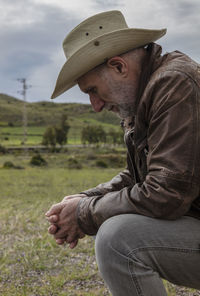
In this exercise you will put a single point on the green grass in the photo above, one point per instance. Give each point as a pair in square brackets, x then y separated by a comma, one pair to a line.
[30, 261]
[13, 136]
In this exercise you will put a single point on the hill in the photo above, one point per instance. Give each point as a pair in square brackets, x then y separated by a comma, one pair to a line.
[49, 113]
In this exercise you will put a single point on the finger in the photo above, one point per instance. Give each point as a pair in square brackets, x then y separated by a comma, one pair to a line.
[52, 229]
[60, 241]
[55, 209]
[53, 218]
[61, 233]
[81, 235]
[73, 244]
[71, 237]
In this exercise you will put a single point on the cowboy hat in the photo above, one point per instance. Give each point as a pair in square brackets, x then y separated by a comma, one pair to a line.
[95, 40]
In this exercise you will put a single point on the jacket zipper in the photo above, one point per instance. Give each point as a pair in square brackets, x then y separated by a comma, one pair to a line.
[127, 140]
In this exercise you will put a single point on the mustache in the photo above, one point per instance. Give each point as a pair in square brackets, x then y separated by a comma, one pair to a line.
[123, 110]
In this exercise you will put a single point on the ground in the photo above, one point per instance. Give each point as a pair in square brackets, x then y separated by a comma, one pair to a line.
[31, 264]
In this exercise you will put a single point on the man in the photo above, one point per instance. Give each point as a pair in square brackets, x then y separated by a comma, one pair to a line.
[146, 219]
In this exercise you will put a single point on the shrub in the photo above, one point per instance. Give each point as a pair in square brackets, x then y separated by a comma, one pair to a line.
[73, 163]
[101, 164]
[38, 160]
[55, 149]
[2, 149]
[116, 161]
[8, 165]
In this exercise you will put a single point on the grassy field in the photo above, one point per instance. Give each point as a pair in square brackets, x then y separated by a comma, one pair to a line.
[43, 114]
[31, 264]
[13, 136]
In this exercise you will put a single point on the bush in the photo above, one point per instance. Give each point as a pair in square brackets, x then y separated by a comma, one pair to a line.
[8, 165]
[101, 164]
[38, 160]
[55, 149]
[73, 163]
[2, 149]
[116, 161]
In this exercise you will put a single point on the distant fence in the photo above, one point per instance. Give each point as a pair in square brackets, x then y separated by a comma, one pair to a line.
[38, 148]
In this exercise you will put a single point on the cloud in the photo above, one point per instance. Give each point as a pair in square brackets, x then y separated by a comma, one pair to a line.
[108, 4]
[30, 46]
[178, 17]
[32, 32]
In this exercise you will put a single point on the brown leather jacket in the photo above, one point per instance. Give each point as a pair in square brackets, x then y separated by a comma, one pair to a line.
[162, 178]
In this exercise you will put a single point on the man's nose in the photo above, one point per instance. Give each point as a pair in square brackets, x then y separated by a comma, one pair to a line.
[97, 103]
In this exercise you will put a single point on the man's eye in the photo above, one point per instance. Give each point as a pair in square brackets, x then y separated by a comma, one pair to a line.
[92, 90]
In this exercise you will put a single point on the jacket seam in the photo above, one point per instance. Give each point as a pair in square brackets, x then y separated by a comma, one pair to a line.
[187, 179]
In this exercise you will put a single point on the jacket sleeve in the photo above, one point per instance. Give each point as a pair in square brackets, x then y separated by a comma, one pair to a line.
[123, 179]
[173, 161]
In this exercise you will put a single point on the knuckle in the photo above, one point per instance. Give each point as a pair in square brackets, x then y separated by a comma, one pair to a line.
[69, 240]
[53, 207]
[60, 235]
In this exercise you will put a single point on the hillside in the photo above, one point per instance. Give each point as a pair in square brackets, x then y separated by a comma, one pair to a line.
[49, 113]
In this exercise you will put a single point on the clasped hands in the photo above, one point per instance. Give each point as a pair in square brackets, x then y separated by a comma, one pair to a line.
[63, 221]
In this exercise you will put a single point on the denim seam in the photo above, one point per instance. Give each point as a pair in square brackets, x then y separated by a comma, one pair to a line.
[142, 249]
[134, 279]
[173, 249]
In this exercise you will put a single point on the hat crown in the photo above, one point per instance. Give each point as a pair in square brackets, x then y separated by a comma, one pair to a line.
[91, 29]
[94, 41]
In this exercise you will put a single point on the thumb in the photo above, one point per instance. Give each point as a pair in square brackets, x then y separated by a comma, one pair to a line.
[55, 209]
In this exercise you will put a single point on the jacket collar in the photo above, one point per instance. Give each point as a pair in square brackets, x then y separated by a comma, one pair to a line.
[151, 62]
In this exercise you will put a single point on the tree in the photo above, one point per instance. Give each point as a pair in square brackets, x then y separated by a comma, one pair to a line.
[112, 134]
[61, 136]
[62, 130]
[56, 134]
[93, 134]
[49, 137]
[64, 124]
[116, 137]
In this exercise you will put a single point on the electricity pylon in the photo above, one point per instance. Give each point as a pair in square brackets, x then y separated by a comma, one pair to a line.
[25, 119]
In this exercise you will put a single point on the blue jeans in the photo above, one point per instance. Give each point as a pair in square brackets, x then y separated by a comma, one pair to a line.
[135, 252]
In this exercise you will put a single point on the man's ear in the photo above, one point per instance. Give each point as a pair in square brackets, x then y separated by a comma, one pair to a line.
[119, 65]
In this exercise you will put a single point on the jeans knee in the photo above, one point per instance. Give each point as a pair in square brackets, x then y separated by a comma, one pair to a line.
[106, 243]
[121, 233]
[102, 243]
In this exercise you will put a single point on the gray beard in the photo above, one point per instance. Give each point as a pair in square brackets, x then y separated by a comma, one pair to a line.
[125, 95]
[126, 107]
[126, 110]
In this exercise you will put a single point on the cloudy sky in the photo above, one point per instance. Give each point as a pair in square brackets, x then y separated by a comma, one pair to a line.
[32, 31]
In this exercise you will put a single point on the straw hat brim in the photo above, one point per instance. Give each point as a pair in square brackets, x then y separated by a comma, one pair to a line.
[98, 50]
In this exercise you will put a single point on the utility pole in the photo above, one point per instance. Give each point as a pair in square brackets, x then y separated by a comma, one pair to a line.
[23, 93]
